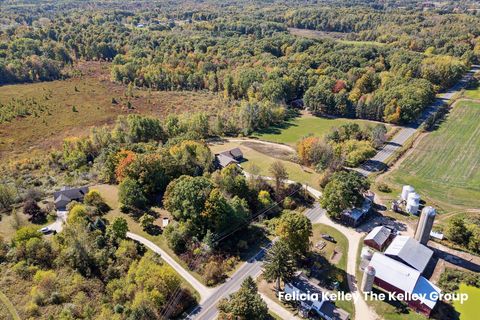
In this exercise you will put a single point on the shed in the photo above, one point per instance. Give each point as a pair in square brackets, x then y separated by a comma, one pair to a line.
[378, 238]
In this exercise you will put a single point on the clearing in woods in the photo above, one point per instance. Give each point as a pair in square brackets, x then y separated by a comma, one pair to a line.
[445, 165]
[71, 107]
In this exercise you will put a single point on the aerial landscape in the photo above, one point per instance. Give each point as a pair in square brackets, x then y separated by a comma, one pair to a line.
[237, 160]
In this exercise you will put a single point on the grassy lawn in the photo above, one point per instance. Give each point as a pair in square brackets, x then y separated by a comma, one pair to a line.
[9, 224]
[264, 161]
[444, 167]
[73, 106]
[336, 255]
[292, 131]
[469, 309]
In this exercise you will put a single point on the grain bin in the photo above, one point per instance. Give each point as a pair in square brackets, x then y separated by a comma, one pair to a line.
[413, 202]
[405, 191]
[365, 258]
[425, 224]
[368, 279]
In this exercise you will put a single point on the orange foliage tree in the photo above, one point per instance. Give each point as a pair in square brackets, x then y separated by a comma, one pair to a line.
[124, 159]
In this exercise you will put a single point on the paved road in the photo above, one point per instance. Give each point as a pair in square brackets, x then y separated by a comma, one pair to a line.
[208, 309]
[377, 163]
[203, 290]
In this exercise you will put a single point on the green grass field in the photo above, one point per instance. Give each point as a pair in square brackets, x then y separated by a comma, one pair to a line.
[472, 93]
[295, 129]
[469, 309]
[444, 167]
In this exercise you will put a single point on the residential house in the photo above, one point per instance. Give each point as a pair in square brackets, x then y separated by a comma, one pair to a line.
[66, 195]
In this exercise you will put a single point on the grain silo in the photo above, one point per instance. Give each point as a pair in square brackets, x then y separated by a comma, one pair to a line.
[365, 258]
[405, 191]
[368, 278]
[425, 224]
[413, 202]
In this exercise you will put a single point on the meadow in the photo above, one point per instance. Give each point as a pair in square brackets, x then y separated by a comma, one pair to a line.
[444, 167]
[71, 107]
[295, 129]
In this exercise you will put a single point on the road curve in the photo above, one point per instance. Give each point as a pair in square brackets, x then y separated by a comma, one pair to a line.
[203, 290]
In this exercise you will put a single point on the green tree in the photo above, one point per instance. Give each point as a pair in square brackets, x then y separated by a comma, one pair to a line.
[146, 221]
[244, 304]
[7, 196]
[295, 230]
[78, 213]
[279, 173]
[118, 229]
[279, 264]
[131, 195]
[457, 231]
[343, 191]
[95, 199]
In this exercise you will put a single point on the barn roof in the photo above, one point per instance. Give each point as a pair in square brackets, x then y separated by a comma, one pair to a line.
[394, 272]
[379, 234]
[410, 251]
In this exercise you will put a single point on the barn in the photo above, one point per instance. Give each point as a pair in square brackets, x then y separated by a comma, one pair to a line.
[396, 277]
[409, 251]
[379, 238]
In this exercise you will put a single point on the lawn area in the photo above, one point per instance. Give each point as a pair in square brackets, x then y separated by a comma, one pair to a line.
[9, 224]
[336, 255]
[71, 107]
[264, 161]
[444, 167]
[469, 309]
[293, 130]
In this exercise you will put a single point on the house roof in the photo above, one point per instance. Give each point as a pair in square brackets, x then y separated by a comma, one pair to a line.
[357, 213]
[379, 234]
[70, 193]
[224, 161]
[394, 272]
[233, 153]
[410, 251]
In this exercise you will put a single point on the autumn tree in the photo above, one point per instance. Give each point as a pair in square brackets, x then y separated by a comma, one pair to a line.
[295, 230]
[279, 174]
[35, 213]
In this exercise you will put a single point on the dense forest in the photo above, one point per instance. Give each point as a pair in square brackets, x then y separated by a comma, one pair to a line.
[245, 53]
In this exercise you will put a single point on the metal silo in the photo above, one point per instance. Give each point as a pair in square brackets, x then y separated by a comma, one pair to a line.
[425, 224]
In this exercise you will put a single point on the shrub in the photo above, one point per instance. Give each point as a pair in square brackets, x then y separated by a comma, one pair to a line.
[383, 187]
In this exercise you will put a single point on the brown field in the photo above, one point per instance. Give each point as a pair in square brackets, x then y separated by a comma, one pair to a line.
[72, 107]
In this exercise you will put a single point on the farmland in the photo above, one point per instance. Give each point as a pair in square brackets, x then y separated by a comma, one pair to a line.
[292, 131]
[444, 166]
[72, 107]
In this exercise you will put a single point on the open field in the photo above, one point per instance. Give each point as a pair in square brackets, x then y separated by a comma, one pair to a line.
[445, 166]
[292, 131]
[72, 107]
[264, 161]
[469, 309]
[10, 223]
[472, 93]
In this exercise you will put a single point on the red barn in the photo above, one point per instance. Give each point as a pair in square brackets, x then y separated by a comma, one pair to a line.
[379, 238]
[394, 276]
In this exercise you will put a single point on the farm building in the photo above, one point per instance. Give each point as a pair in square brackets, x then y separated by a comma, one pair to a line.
[379, 238]
[410, 251]
[354, 216]
[67, 195]
[396, 277]
[225, 158]
[323, 308]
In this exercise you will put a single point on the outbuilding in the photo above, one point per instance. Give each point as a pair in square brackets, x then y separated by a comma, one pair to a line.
[379, 238]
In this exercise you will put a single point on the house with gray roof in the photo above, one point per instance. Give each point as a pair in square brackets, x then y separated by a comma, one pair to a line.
[225, 158]
[409, 251]
[66, 195]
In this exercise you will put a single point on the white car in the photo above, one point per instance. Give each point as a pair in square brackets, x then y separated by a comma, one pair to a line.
[45, 230]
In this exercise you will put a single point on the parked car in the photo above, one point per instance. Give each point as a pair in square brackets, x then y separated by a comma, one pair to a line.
[328, 238]
[46, 230]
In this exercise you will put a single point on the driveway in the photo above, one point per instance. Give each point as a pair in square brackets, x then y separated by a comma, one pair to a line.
[59, 221]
